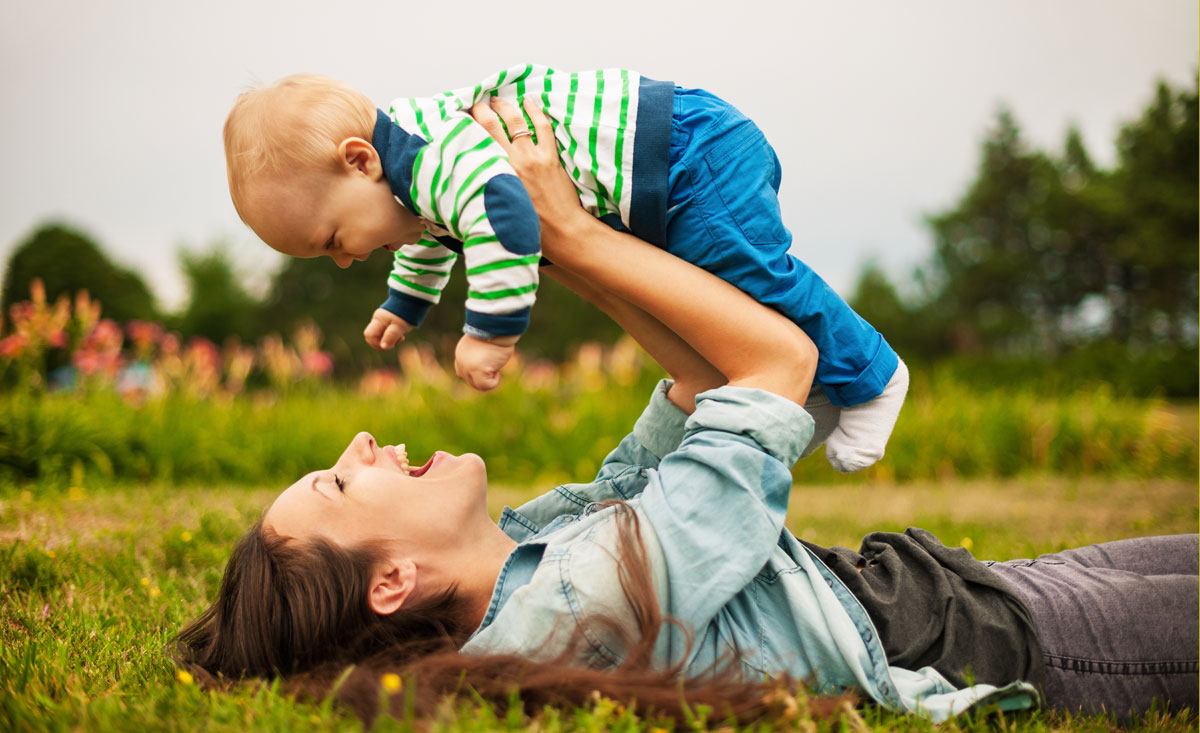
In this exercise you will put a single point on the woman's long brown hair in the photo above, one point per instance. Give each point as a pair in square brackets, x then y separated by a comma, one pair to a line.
[298, 611]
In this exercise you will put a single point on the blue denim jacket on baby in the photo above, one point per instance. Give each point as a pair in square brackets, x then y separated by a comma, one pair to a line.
[710, 492]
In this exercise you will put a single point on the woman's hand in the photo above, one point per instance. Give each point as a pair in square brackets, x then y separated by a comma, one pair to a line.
[537, 163]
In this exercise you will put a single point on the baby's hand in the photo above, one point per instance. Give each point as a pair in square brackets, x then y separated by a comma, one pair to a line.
[385, 330]
[478, 362]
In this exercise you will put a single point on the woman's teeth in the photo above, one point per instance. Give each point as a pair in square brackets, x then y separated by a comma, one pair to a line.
[400, 455]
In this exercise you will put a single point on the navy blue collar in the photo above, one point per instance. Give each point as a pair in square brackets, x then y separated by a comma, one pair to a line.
[397, 150]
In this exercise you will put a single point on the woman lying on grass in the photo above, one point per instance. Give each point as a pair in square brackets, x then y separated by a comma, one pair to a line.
[671, 577]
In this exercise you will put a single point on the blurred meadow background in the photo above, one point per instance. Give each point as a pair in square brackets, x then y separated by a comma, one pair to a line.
[1009, 194]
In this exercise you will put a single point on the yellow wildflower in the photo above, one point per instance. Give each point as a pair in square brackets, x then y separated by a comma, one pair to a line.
[144, 582]
[391, 682]
[184, 676]
[155, 592]
[966, 543]
[185, 536]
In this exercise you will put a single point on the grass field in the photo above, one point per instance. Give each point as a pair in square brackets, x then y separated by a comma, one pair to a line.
[93, 582]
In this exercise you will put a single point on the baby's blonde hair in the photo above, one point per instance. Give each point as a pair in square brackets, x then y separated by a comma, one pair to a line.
[297, 122]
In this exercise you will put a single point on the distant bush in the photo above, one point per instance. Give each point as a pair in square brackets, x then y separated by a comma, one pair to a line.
[549, 424]
[1162, 371]
[66, 261]
[137, 404]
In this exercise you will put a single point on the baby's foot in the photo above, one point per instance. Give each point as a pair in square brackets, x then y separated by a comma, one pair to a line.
[863, 430]
[825, 416]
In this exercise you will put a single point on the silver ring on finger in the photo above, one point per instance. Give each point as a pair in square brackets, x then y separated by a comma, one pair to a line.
[520, 134]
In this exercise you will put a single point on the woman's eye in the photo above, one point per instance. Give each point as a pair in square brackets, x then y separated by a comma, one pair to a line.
[340, 482]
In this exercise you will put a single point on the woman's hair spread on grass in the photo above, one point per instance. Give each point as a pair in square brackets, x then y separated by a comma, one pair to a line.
[299, 611]
[295, 123]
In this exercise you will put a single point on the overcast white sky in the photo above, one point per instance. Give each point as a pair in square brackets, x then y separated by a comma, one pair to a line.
[112, 111]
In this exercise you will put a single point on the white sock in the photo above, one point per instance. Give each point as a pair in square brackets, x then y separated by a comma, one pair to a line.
[825, 416]
[863, 430]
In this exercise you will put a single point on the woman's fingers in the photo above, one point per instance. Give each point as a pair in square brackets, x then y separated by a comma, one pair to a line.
[490, 121]
[511, 116]
[541, 123]
[554, 195]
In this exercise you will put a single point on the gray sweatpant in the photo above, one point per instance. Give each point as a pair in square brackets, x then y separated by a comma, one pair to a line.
[1117, 623]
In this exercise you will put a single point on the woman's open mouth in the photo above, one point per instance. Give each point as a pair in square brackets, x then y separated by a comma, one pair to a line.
[398, 454]
[435, 459]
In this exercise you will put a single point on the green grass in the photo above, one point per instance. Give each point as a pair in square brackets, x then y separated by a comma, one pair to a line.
[94, 581]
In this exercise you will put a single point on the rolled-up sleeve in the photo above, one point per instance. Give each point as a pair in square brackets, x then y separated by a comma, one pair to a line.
[657, 432]
[717, 503]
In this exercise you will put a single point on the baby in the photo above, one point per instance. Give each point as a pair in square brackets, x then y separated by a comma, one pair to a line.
[315, 169]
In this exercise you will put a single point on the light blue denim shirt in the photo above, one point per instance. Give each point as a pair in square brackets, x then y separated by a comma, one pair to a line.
[710, 492]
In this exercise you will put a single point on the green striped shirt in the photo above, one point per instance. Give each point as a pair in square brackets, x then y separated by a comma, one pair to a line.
[592, 114]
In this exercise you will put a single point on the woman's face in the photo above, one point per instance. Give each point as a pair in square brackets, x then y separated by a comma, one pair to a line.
[370, 494]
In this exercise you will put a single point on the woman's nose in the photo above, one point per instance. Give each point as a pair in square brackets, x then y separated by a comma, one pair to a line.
[360, 451]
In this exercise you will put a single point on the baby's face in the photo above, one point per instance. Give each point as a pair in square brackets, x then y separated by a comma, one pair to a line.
[345, 215]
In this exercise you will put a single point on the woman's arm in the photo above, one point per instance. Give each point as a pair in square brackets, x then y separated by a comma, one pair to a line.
[691, 372]
[750, 344]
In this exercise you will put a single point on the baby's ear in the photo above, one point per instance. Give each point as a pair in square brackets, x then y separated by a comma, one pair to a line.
[360, 155]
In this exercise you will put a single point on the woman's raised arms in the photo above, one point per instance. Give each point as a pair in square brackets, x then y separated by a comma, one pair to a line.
[696, 325]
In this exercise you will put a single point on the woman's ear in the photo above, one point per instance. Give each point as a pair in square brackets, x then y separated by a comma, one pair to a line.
[392, 585]
[360, 155]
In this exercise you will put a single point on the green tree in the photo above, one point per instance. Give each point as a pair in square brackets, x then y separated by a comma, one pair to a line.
[913, 327]
[67, 261]
[1003, 263]
[219, 306]
[1036, 238]
[1153, 280]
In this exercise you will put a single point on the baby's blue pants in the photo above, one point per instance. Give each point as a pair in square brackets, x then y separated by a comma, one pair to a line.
[723, 215]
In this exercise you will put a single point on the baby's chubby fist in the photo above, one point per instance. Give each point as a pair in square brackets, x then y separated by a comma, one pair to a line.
[478, 362]
[386, 329]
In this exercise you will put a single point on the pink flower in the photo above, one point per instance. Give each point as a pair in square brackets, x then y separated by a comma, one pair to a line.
[12, 346]
[204, 354]
[378, 382]
[144, 335]
[170, 344]
[57, 338]
[87, 361]
[317, 363]
[107, 335]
